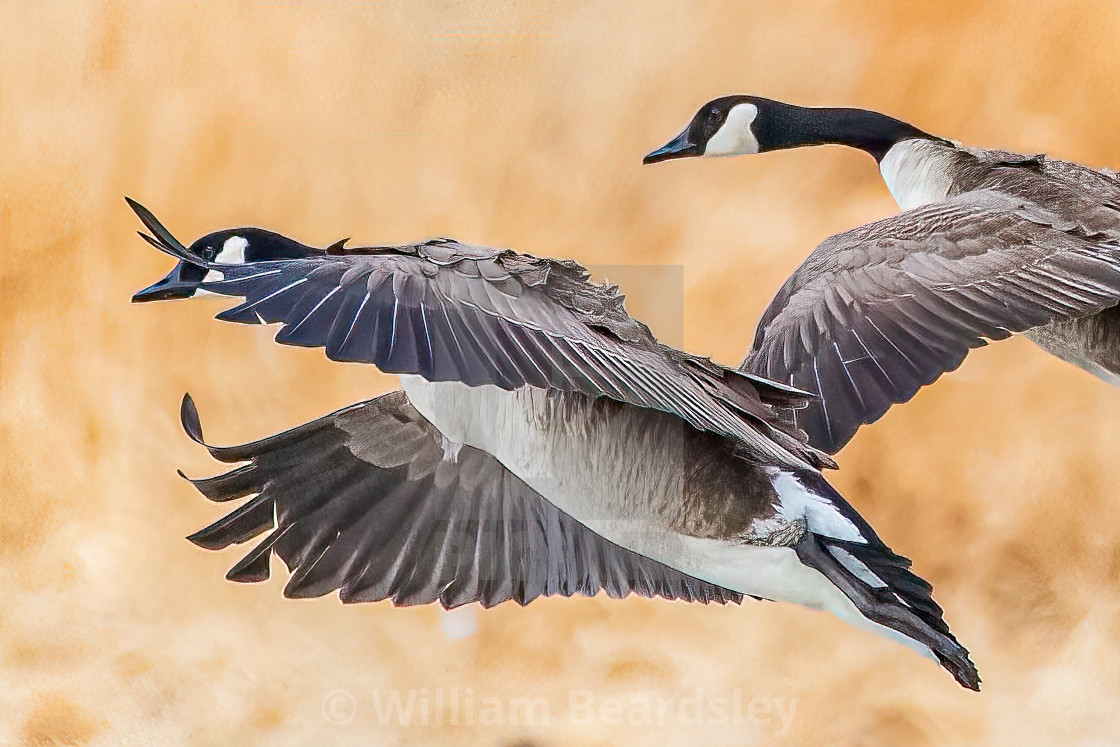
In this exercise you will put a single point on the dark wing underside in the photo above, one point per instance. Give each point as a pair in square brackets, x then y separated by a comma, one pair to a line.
[363, 502]
[878, 312]
[452, 312]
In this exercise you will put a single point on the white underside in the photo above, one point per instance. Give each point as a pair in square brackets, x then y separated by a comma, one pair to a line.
[584, 472]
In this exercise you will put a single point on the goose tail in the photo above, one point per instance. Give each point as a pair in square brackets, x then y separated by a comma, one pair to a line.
[879, 582]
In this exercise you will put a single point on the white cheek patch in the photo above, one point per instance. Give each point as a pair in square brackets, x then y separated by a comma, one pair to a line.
[735, 137]
[233, 251]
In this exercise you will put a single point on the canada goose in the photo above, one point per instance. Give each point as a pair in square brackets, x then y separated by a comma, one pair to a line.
[989, 244]
[544, 443]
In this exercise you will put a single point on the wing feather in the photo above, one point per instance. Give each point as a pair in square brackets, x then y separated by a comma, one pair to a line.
[363, 503]
[452, 312]
[915, 293]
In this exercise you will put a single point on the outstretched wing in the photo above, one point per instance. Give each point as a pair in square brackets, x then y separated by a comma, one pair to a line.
[880, 311]
[363, 501]
[452, 312]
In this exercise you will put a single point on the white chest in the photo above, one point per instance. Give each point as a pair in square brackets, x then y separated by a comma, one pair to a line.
[917, 172]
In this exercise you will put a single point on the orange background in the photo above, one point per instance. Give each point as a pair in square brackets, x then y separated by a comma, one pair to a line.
[523, 126]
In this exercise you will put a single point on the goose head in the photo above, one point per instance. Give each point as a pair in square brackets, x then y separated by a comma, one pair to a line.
[744, 125]
[722, 127]
[231, 246]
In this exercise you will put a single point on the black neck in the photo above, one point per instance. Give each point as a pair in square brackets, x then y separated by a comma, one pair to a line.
[781, 125]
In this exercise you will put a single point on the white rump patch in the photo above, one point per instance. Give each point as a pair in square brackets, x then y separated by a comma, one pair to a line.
[735, 137]
[821, 516]
[233, 251]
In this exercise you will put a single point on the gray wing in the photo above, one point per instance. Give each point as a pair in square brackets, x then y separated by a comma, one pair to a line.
[362, 502]
[451, 312]
[880, 311]
[1085, 194]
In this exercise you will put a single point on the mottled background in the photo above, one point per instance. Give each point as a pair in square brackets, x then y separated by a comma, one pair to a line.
[524, 126]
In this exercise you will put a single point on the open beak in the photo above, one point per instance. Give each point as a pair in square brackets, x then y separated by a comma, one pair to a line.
[161, 238]
[179, 283]
[679, 147]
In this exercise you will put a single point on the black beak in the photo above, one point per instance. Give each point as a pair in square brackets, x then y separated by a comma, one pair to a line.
[679, 147]
[179, 283]
[161, 238]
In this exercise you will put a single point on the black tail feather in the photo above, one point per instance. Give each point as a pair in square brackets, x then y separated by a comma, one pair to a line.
[905, 604]
[905, 600]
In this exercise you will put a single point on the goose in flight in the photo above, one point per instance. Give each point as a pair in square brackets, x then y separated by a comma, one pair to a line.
[988, 244]
[544, 444]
